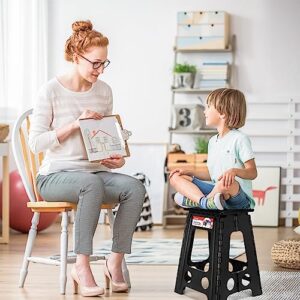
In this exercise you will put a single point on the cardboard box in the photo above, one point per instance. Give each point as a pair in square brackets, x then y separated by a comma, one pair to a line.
[202, 17]
[194, 162]
[201, 43]
[203, 30]
[181, 161]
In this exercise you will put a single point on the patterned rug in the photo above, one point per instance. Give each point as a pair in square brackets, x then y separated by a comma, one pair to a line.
[166, 251]
[158, 251]
[275, 286]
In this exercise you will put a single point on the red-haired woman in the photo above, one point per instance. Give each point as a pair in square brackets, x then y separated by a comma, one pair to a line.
[67, 174]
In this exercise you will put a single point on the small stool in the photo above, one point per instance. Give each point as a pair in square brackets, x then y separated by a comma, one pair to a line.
[218, 276]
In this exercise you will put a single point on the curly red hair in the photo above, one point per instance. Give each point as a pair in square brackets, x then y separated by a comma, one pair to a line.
[83, 38]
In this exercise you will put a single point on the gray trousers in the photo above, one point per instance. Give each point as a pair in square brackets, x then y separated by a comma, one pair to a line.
[89, 191]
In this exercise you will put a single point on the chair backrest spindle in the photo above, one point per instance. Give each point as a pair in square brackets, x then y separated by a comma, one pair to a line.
[27, 162]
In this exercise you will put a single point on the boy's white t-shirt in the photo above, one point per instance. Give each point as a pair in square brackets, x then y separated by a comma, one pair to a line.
[55, 107]
[230, 151]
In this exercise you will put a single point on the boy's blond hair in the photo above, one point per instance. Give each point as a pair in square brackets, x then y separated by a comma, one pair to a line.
[232, 104]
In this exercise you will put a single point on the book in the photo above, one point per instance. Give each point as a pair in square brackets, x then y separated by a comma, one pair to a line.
[105, 137]
[213, 76]
[215, 63]
[212, 83]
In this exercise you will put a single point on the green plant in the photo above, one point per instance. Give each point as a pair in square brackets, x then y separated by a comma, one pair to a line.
[201, 145]
[185, 68]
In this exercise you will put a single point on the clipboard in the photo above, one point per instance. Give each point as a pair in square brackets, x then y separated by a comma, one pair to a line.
[105, 137]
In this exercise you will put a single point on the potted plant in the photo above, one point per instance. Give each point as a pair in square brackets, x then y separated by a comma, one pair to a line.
[201, 147]
[184, 75]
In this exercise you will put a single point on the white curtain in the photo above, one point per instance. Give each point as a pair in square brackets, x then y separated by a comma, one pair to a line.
[23, 54]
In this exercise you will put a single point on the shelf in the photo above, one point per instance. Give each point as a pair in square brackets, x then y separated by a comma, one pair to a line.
[285, 133]
[290, 181]
[229, 49]
[293, 149]
[286, 116]
[175, 216]
[191, 91]
[204, 131]
[288, 198]
[282, 164]
[282, 102]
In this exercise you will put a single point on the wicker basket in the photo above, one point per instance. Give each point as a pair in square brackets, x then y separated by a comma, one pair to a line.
[286, 253]
[4, 130]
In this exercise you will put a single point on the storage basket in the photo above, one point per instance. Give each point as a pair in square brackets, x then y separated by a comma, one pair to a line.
[286, 253]
[4, 130]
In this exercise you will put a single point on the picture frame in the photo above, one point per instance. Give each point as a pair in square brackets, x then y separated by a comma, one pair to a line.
[266, 194]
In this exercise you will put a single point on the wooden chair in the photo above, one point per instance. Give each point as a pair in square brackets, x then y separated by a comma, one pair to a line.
[28, 164]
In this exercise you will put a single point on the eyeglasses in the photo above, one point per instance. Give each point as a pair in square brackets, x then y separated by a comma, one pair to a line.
[96, 64]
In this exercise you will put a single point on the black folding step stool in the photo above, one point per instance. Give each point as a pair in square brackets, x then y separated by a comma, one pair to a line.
[214, 275]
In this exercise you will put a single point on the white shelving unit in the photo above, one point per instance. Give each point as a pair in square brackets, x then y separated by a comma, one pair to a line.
[193, 57]
[275, 138]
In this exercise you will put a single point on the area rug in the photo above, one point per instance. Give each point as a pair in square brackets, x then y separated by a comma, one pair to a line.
[159, 251]
[167, 251]
[275, 286]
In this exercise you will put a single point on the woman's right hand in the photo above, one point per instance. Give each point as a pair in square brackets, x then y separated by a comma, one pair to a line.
[64, 132]
[87, 114]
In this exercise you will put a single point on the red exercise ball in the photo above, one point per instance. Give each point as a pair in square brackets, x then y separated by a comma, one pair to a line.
[19, 214]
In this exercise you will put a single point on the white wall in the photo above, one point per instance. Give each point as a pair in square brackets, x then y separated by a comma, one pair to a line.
[142, 34]
[141, 37]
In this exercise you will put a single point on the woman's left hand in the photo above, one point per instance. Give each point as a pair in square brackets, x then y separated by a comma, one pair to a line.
[114, 162]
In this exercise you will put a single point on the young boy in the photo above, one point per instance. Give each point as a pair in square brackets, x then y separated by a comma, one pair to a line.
[231, 165]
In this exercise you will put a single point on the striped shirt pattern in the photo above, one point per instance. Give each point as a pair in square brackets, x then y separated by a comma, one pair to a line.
[57, 106]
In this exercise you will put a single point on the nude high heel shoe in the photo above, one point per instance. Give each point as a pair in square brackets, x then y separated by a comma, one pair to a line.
[118, 287]
[85, 291]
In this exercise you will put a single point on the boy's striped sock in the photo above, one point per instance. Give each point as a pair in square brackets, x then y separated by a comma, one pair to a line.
[184, 201]
[214, 203]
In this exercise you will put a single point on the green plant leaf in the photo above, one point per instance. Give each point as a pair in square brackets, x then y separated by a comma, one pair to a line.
[185, 68]
[201, 145]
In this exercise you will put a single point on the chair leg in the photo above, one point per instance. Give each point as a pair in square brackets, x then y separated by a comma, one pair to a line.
[125, 271]
[111, 220]
[63, 252]
[28, 250]
[72, 221]
[73, 235]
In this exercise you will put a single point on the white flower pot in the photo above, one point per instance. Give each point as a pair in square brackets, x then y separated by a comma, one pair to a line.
[184, 80]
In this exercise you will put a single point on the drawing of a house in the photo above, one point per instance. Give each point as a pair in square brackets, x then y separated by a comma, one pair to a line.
[101, 143]
[92, 146]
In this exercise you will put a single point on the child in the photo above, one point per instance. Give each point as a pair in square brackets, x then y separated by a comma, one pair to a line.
[231, 165]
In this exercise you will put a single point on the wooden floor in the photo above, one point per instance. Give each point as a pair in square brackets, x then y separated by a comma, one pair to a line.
[148, 282]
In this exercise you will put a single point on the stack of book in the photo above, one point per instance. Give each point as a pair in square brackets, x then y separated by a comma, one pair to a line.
[212, 75]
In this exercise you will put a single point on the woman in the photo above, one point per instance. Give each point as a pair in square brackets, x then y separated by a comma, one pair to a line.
[67, 174]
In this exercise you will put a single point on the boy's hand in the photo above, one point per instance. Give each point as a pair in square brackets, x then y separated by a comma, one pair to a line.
[114, 162]
[179, 171]
[228, 178]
